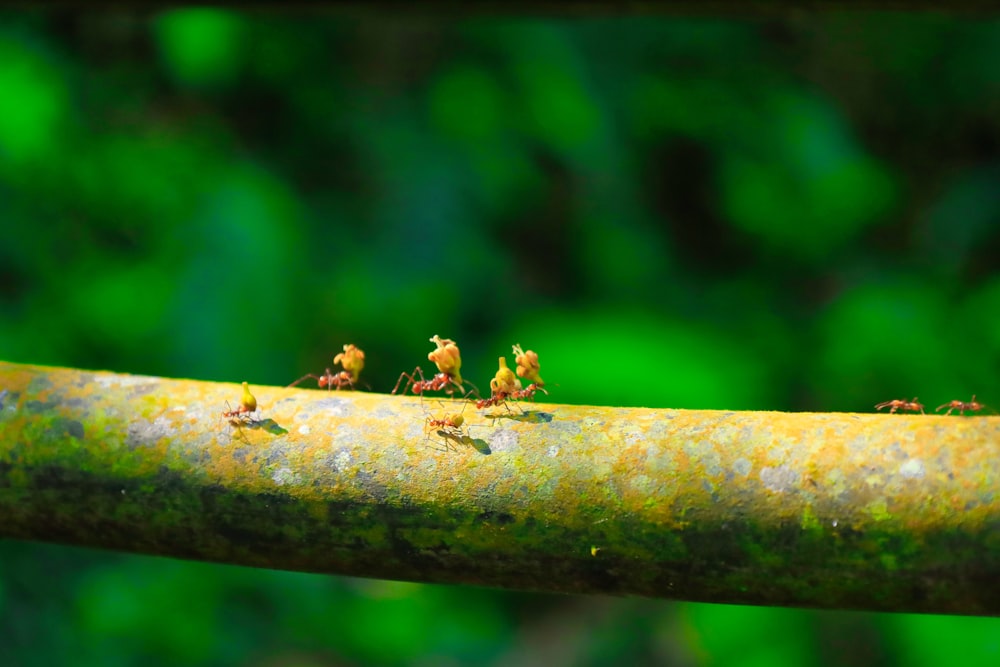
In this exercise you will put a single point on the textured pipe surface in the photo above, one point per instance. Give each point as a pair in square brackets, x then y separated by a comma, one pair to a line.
[851, 511]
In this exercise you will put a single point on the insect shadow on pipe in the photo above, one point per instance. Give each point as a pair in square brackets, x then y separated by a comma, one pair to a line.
[451, 441]
[530, 417]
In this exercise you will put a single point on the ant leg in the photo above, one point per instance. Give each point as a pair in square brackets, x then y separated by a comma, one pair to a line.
[410, 379]
[474, 390]
[307, 375]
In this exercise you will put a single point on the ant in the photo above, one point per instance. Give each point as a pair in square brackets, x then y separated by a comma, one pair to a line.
[352, 359]
[902, 405]
[971, 406]
[453, 428]
[503, 386]
[329, 379]
[448, 360]
[245, 412]
[450, 425]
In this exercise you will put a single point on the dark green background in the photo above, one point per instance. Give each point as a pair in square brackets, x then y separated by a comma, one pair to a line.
[795, 213]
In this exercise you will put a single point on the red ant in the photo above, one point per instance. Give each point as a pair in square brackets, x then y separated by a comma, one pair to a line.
[437, 383]
[448, 360]
[246, 409]
[971, 406]
[496, 399]
[450, 425]
[902, 405]
[451, 422]
[352, 359]
[329, 379]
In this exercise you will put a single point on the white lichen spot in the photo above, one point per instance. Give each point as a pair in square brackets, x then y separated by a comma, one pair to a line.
[342, 459]
[338, 407]
[779, 479]
[179, 408]
[912, 469]
[305, 430]
[109, 381]
[283, 476]
[742, 466]
[553, 451]
[503, 440]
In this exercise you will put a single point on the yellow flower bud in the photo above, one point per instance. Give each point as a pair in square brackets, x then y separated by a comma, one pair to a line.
[352, 359]
[527, 365]
[504, 381]
[447, 358]
[248, 402]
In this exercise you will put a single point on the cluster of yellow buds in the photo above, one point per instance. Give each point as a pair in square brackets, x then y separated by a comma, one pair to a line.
[447, 358]
[504, 381]
[527, 365]
[352, 359]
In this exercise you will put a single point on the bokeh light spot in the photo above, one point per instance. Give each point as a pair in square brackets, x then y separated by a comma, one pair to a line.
[201, 46]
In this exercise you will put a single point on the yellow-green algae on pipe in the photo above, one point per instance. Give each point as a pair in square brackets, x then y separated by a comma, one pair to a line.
[847, 511]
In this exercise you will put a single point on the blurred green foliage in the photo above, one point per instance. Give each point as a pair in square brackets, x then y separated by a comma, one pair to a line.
[794, 213]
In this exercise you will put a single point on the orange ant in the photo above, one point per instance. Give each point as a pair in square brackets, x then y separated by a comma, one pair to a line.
[352, 359]
[902, 405]
[448, 360]
[971, 406]
[245, 412]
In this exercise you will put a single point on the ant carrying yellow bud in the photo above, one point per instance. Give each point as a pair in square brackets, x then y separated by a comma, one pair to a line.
[448, 360]
[246, 409]
[502, 386]
[527, 367]
[504, 381]
[505, 386]
[352, 359]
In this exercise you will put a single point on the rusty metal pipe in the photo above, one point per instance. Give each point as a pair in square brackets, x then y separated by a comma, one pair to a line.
[846, 511]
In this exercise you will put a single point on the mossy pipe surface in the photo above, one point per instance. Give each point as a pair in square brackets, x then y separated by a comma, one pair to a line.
[847, 511]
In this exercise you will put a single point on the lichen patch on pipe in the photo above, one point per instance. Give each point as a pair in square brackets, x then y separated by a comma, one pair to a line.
[860, 511]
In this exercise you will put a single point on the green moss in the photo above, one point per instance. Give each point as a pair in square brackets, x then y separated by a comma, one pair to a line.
[878, 510]
[809, 520]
